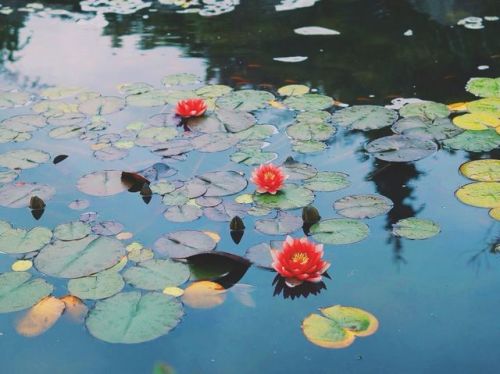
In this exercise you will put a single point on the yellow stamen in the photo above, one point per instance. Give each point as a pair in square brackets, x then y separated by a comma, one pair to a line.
[300, 257]
[269, 175]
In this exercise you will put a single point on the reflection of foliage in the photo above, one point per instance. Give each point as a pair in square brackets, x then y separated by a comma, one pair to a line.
[305, 289]
[483, 256]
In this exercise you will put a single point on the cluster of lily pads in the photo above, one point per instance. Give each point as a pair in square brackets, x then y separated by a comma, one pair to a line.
[92, 255]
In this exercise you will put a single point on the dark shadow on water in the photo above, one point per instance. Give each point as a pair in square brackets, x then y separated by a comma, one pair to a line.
[304, 290]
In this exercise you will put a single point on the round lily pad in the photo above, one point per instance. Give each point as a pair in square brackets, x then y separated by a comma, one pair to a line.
[183, 213]
[339, 231]
[291, 196]
[148, 99]
[18, 291]
[107, 228]
[182, 244]
[213, 91]
[484, 87]
[13, 99]
[298, 170]
[475, 141]
[364, 117]
[225, 211]
[102, 105]
[98, 286]
[310, 131]
[489, 105]
[308, 146]
[223, 183]
[214, 142]
[308, 102]
[476, 121]
[18, 195]
[480, 194]
[102, 183]
[23, 123]
[236, 121]
[79, 258]
[180, 79]
[21, 241]
[251, 156]
[487, 170]
[327, 181]
[425, 109]
[132, 317]
[245, 100]
[415, 228]
[260, 255]
[284, 223]
[23, 158]
[293, 90]
[439, 129]
[157, 274]
[363, 206]
[72, 230]
[399, 148]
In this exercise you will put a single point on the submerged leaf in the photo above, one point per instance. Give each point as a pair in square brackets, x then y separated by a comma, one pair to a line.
[204, 295]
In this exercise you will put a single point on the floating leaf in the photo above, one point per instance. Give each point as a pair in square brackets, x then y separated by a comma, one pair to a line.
[213, 91]
[284, 223]
[484, 87]
[252, 156]
[102, 183]
[130, 317]
[482, 170]
[14, 241]
[204, 295]
[476, 121]
[223, 183]
[180, 79]
[244, 100]
[399, 148]
[134, 88]
[426, 109]
[102, 105]
[439, 129]
[18, 291]
[339, 231]
[260, 255]
[308, 102]
[23, 158]
[97, 286]
[40, 317]
[22, 265]
[327, 181]
[489, 105]
[339, 326]
[72, 230]
[13, 99]
[415, 228]
[495, 213]
[183, 213]
[236, 121]
[364, 117]
[308, 146]
[157, 274]
[475, 141]
[480, 194]
[79, 204]
[148, 99]
[310, 131]
[298, 171]
[79, 258]
[363, 206]
[290, 197]
[293, 90]
[182, 244]
[225, 211]
[18, 195]
[173, 291]
[23, 123]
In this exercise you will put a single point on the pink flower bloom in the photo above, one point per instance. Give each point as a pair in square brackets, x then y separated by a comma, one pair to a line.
[190, 108]
[299, 261]
[268, 178]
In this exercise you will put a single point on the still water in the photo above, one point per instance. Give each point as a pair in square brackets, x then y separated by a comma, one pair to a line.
[436, 300]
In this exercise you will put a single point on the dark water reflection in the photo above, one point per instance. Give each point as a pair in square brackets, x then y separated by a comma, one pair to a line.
[437, 300]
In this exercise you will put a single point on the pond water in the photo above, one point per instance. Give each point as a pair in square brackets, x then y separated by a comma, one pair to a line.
[436, 300]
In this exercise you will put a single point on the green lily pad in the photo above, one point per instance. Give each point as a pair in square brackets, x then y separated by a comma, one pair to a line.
[439, 129]
[103, 105]
[205, 124]
[182, 244]
[259, 132]
[214, 142]
[484, 87]
[339, 231]
[18, 195]
[162, 187]
[60, 92]
[480, 194]
[183, 213]
[8, 176]
[489, 105]
[474, 141]
[157, 274]
[338, 326]
[98, 286]
[102, 183]
[291, 196]
[15, 241]
[364, 117]
[9, 136]
[297, 170]
[428, 110]
[363, 206]
[486, 170]
[72, 231]
[236, 121]
[284, 223]
[252, 156]
[13, 99]
[148, 99]
[23, 158]
[223, 183]
[132, 317]
[310, 131]
[415, 228]
[151, 136]
[18, 291]
[308, 102]
[67, 132]
[213, 91]
[180, 79]
[79, 258]
[293, 90]
[260, 255]
[399, 148]
[24, 123]
[134, 88]
[327, 181]
[244, 100]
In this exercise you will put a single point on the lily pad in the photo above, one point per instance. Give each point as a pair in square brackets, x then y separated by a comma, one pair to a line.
[399, 148]
[474, 141]
[24, 123]
[310, 131]
[489, 105]
[23, 158]
[180, 79]
[327, 181]
[132, 317]
[157, 274]
[245, 100]
[476, 121]
[484, 87]
[297, 170]
[339, 231]
[251, 156]
[226, 211]
[284, 223]
[13, 99]
[426, 109]
[102, 105]
[107, 228]
[79, 258]
[415, 228]
[18, 195]
[308, 146]
[18, 291]
[291, 196]
[223, 183]
[183, 213]
[148, 99]
[182, 244]
[487, 170]
[72, 231]
[102, 183]
[480, 194]
[98, 286]
[338, 326]
[15, 241]
[439, 129]
[363, 206]
[214, 142]
[236, 121]
[364, 117]
[213, 91]
[308, 102]
[260, 255]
